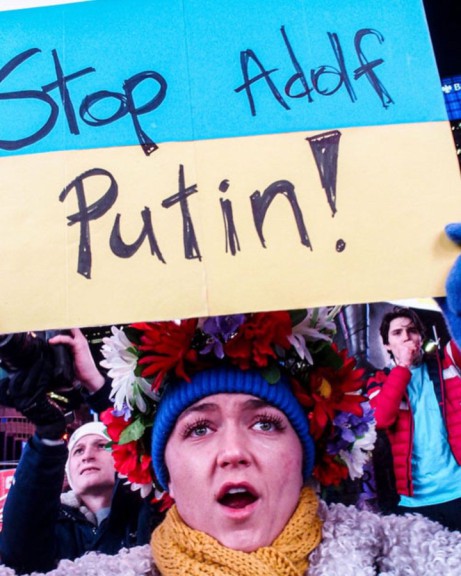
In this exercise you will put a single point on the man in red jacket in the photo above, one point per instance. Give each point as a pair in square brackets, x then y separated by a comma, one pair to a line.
[417, 401]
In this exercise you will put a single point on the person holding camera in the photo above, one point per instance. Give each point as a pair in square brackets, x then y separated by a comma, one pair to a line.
[42, 526]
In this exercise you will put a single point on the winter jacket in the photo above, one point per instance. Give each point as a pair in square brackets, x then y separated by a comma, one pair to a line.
[39, 530]
[387, 390]
[354, 543]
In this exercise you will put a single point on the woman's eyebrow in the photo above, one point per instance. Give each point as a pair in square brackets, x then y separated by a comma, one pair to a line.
[200, 408]
[256, 403]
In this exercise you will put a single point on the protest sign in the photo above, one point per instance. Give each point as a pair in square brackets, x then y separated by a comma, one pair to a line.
[6, 479]
[167, 159]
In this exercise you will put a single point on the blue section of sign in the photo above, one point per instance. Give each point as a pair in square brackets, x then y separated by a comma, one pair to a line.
[116, 73]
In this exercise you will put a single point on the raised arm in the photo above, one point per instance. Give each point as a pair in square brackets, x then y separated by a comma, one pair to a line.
[386, 391]
[94, 386]
[32, 505]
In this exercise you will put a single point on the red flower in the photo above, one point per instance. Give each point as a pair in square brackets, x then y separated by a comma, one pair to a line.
[165, 502]
[166, 346]
[303, 397]
[334, 390]
[129, 458]
[329, 472]
[115, 425]
[256, 338]
[130, 463]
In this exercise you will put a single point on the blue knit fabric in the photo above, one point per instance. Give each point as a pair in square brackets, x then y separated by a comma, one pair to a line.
[451, 305]
[179, 396]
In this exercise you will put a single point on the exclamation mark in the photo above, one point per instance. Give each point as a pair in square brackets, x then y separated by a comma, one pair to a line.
[325, 148]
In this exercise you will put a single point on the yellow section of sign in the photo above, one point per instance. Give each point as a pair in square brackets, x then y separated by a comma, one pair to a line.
[221, 226]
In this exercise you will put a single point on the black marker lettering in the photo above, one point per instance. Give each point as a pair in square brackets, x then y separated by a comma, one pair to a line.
[325, 79]
[123, 250]
[48, 124]
[260, 204]
[129, 87]
[87, 213]
[306, 91]
[61, 84]
[93, 100]
[191, 248]
[325, 148]
[232, 241]
[264, 75]
[125, 101]
[367, 67]
[341, 72]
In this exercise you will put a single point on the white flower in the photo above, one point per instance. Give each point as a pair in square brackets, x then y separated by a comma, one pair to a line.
[360, 453]
[128, 390]
[145, 489]
[317, 325]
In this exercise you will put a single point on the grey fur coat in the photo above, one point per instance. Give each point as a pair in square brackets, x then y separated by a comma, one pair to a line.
[354, 543]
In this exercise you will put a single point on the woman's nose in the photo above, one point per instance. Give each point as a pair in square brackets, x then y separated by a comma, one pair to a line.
[233, 449]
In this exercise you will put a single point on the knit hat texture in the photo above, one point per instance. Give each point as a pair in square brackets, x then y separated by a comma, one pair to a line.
[180, 395]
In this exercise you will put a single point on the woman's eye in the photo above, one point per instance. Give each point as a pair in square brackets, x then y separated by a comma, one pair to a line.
[264, 426]
[267, 425]
[197, 430]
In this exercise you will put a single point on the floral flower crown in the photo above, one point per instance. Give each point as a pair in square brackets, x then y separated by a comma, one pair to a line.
[144, 358]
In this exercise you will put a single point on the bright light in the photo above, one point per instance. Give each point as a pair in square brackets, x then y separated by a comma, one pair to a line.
[19, 4]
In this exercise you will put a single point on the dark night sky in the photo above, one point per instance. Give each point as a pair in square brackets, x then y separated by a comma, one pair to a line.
[444, 18]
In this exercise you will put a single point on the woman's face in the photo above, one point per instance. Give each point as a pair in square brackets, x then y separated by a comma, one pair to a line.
[235, 466]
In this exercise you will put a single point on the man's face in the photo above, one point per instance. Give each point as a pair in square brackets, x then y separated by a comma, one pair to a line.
[235, 466]
[91, 466]
[404, 341]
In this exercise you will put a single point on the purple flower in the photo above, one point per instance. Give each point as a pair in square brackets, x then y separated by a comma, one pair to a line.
[368, 496]
[125, 412]
[219, 329]
[348, 427]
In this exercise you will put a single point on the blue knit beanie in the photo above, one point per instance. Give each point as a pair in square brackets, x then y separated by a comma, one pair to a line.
[181, 395]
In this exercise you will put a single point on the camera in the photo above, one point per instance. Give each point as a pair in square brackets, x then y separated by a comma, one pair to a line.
[21, 350]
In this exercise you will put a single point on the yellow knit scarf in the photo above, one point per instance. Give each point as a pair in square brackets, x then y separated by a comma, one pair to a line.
[179, 550]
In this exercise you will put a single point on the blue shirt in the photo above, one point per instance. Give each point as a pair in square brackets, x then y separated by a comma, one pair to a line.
[436, 474]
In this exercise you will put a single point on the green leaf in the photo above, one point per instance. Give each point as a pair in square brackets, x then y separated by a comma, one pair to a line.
[132, 334]
[133, 432]
[297, 316]
[133, 350]
[326, 356]
[314, 316]
[271, 373]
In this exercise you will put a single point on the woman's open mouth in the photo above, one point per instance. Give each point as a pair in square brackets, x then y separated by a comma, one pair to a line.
[237, 497]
